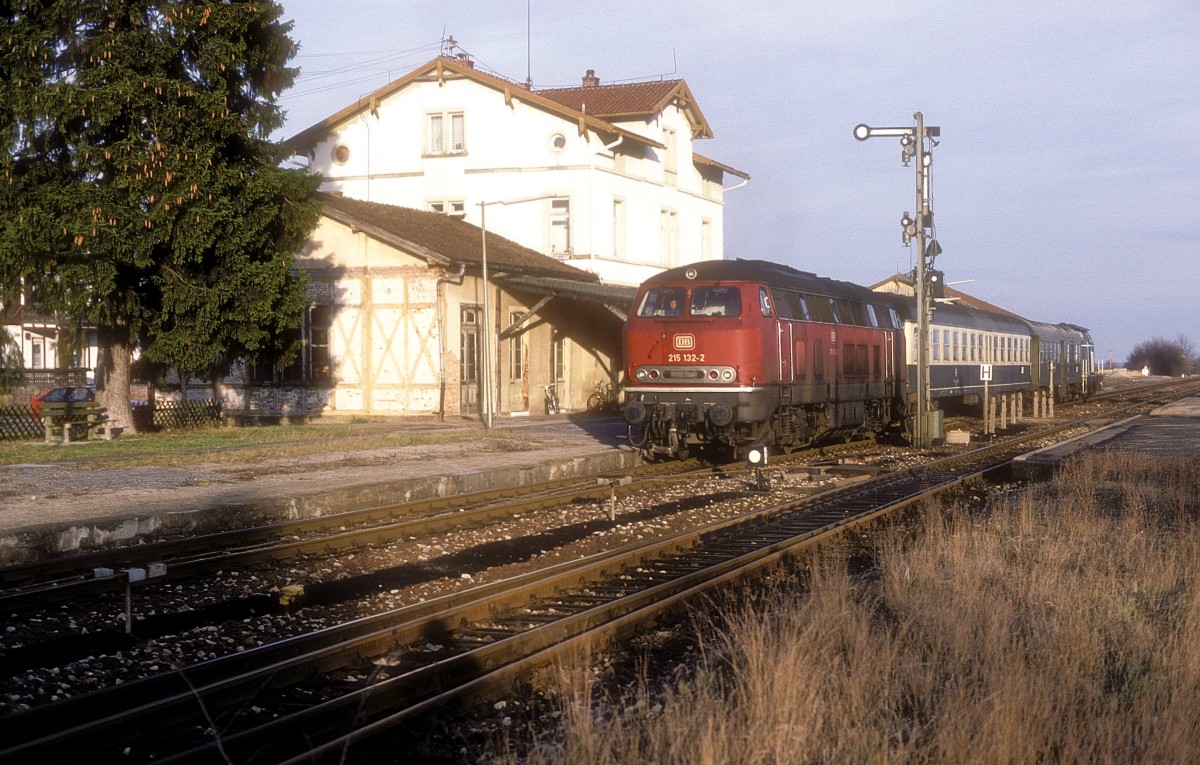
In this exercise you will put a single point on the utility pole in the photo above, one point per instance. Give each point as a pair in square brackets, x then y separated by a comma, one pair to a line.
[918, 141]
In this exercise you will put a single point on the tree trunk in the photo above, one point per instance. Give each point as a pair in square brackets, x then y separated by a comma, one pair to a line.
[114, 376]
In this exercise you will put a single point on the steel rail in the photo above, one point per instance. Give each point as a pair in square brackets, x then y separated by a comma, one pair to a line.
[65, 578]
[844, 509]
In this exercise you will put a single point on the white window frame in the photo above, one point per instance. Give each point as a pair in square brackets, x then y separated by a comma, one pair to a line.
[441, 128]
[669, 235]
[558, 225]
[670, 171]
[454, 208]
[619, 228]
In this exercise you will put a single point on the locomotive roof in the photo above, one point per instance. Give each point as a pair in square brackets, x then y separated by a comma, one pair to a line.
[765, 272]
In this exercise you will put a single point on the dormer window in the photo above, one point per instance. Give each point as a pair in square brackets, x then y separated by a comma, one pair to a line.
[446, 134]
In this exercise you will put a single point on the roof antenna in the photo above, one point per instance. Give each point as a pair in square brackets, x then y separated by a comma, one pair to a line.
[528, 48]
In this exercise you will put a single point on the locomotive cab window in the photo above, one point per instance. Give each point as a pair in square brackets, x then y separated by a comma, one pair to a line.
[662, 302]
[716, 301]
[764, 301]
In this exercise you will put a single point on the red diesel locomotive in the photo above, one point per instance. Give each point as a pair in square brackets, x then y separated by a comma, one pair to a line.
[739, 354]
[732, 354]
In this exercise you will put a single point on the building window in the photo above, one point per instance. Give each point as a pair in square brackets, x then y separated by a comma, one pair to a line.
[558, 142]
[455, 208]
[469, 347]
[516, 349]
[669, 170]
[560, 226]
[341, 154]
[559, 350]
[618, 232]
[320, 365]
[670, 237]
[446, 134]
[706, 239]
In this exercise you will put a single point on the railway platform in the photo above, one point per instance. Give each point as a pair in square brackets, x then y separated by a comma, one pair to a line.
[50, 509]
[1169, 431]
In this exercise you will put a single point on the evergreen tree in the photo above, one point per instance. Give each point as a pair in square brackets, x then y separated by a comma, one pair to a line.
[11, 365]
[139, 189]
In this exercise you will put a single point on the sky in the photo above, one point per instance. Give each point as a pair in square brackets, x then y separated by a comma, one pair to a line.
[1065, 183]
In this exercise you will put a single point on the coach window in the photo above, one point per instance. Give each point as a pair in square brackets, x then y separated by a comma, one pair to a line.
[818, 360]
[937, 345]
[955, 344]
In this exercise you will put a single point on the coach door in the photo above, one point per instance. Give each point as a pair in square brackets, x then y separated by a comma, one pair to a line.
[468, 390]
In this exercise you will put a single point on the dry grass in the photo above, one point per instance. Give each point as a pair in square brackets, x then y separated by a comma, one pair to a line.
[247, 445]
[1061, 625]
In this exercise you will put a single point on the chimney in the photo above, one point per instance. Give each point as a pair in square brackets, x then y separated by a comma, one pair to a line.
[590, 80]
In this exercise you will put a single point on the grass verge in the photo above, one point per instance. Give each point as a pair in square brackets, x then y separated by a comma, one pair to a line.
[1060, 624]
[248, 445]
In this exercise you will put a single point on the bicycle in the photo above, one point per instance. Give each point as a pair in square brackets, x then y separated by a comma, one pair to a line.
[550, 398]
[604, 399]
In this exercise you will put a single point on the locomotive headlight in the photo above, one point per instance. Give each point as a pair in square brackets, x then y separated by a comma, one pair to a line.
[727, 375]
[641, 374]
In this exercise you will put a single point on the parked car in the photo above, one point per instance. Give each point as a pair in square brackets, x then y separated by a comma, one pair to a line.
[68, 393]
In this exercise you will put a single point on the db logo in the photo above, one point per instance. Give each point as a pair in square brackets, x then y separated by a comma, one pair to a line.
[685, 342]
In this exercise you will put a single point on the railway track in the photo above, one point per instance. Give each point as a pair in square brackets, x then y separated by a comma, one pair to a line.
[464, 645]
[102, 571]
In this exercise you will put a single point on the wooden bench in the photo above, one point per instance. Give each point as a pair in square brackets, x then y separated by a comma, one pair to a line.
[60, 417]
